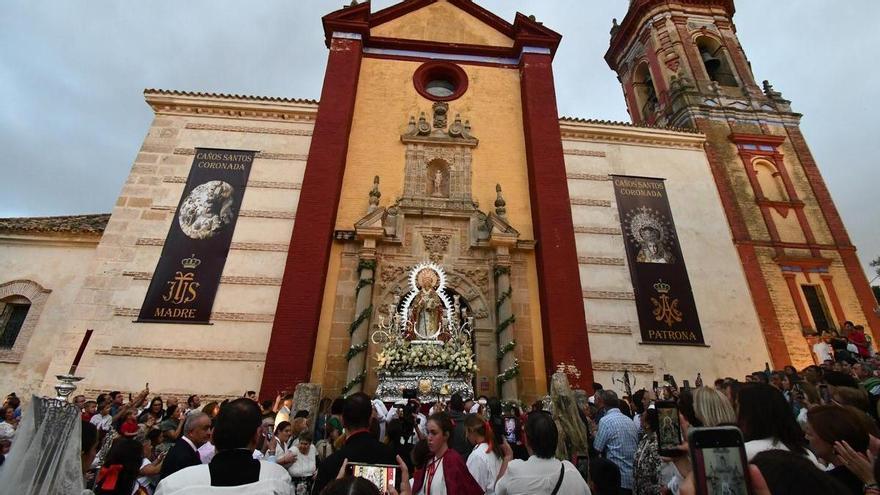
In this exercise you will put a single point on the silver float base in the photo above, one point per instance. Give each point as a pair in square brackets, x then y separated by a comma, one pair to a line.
[431, 384]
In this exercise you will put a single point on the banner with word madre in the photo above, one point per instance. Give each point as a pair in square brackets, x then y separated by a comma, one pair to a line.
[185, 282]
[664, 300]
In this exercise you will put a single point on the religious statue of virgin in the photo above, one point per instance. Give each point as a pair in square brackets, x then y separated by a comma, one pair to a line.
[427, 308]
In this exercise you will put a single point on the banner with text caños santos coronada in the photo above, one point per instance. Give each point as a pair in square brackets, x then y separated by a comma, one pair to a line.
[185, 282]
[664, 300]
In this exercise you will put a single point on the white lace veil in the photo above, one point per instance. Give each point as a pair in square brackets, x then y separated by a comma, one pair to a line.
[45, 456]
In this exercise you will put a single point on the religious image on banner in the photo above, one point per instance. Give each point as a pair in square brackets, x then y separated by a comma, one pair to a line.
[188, 274]
[664, 299]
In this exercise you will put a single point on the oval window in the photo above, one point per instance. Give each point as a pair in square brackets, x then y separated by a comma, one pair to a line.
[440, 81]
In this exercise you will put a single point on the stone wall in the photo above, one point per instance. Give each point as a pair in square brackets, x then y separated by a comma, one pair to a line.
[224, 358]
[734, 341]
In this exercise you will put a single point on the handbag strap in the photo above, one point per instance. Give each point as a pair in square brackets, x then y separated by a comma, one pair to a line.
[559, 481]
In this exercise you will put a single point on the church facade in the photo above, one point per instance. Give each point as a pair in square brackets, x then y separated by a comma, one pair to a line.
[699, 239]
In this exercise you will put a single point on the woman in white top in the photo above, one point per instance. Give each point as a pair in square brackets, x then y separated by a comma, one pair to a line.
[767, 422]
[484, 462]
[303, 468]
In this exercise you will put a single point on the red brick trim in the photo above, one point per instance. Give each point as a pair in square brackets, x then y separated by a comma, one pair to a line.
[838, 231]
[294, 331]
[764, 306]
[559, 287]
[746, 248]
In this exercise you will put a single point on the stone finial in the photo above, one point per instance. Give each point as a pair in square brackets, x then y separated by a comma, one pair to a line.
[500, 204]
[615, 27]
[770, 92]
[374, 195]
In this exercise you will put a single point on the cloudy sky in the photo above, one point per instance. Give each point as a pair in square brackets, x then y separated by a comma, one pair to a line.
[72, 72]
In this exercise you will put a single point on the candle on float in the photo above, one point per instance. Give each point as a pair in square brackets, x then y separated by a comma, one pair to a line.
[82, 349]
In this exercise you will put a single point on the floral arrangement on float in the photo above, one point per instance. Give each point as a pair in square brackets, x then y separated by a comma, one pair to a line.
[426, 343]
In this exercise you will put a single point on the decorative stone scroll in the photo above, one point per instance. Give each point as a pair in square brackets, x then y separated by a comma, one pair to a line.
[438, 162]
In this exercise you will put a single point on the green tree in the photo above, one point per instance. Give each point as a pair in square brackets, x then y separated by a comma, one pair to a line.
[876, 293]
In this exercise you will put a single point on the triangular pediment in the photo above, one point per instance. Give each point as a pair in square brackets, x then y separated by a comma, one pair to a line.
[442, 21]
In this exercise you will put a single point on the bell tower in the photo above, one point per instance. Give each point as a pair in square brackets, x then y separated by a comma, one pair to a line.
[681, 65]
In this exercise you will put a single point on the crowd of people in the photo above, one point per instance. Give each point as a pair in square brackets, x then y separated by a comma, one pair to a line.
[808, 431]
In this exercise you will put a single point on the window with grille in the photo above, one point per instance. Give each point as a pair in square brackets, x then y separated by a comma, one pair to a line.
[11, 319]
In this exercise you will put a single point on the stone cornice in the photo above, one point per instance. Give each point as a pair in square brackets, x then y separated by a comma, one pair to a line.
[581, 130]
[88, 241]
[165, 102]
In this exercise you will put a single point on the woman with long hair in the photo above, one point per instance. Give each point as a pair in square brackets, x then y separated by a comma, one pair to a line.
[486, 458]
[445, 472]
[155, 411]
[119, 474]
[767, 423]
[829, 424]
[712, 408]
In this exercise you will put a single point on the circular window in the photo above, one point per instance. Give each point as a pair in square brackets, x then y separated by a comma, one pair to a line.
[440, 81]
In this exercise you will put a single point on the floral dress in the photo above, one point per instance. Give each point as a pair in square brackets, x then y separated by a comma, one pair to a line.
[646, 469]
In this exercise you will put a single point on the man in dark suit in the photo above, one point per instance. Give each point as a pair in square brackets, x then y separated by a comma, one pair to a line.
[185, 452]
[359, 446]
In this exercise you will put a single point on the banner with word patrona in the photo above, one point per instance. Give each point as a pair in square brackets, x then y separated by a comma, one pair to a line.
[187, 276]
[664, 300]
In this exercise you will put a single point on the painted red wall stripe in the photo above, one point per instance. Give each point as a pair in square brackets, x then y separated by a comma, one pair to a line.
[295, 329]
[562, 306]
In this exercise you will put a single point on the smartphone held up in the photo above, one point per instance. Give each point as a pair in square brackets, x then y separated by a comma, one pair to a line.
[718, 457]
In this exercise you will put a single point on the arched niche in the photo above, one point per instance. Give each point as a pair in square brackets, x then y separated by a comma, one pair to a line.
[770, 180]
[645, 91]
[716, 61]
[438, 178]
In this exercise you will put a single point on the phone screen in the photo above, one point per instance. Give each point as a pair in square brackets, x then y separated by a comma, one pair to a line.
[719, 459]
[669, 435]
[510, 430]
[381, 475]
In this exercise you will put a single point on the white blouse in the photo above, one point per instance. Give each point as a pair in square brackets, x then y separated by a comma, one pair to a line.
[438, 483]
[484, 467]
[304, 465]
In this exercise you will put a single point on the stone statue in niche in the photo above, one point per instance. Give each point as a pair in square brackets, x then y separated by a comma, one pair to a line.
[438, 184]
[438, 179]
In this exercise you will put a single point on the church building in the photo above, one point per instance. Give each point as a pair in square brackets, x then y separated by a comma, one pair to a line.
[263, 242]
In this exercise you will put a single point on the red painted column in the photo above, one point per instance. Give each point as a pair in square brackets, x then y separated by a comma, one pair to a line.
[828, 280]
[292, 343]
[562, 305]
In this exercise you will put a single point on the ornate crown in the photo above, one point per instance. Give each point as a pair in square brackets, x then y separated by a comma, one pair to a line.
[662, 287]
[191, 263]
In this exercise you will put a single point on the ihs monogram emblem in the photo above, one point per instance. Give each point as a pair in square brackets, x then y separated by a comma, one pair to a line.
[665, 309]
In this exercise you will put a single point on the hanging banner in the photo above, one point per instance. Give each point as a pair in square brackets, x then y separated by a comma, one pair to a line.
[188, 273]
[664, 300]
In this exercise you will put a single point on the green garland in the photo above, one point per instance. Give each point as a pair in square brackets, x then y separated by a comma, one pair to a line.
[508, 374]
[501, 270]
[504, 324]
[363, 283]
[360, 319]
[506, 348]
[355, 350]
[513, 371]
[366, 265]
[503, 297]
[350, 385]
